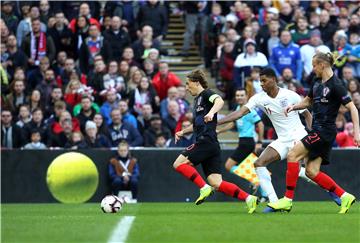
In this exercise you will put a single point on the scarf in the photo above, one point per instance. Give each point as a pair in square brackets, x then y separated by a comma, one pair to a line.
[140, 98]
[121, 167]
[39, 51]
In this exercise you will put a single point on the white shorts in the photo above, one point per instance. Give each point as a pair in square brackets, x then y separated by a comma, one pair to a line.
[282, 147]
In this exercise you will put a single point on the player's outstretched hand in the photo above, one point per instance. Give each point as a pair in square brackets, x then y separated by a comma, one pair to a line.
[288, 109]
[209, 117]
[178, 135]
[357, 139]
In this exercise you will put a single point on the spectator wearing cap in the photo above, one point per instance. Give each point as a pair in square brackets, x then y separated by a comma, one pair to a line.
[120, 131]
[35, 138]
[156, 127]
[286, 54]
[7, 14]
[93, 139]
[164, 80]
[246, 61]
[308, 51]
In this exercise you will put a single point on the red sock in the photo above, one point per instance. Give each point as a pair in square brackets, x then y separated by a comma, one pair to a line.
[292, 175]
[191, 173]
[327, 183]
[232, 190]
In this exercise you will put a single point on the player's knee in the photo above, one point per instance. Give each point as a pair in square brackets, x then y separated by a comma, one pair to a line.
[311, 172]
[291, 156]
[176, 164]
[259, 163]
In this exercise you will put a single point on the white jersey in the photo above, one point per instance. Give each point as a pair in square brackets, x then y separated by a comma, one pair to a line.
[288, 128]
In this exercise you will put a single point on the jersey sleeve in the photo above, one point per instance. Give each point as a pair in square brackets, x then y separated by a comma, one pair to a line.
[210, 95]
[296, 99]
[255, 117]
[253, 102]
[311, 90]
[342, 94]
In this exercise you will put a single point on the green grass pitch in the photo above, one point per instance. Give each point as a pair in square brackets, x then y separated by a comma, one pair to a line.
[179, 222]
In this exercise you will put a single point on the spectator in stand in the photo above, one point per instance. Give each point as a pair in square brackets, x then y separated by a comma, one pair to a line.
[149, 68]
[69, 68]
[172, 94]
[93, 139]
[36, 45]
[87, 112]
[120, 131]
[226, 66]
[345, 139]
[35, 141]
[173, 116]
[160, 141]
[273, 39]
[17, 57]
[342, 50]
[286, 54]
[80, 34]
[93, 45]
[124, 171]
[63, 136]
[340, 122]
[240, 43]
[58, 108]
[154, 56]
[73, 92]
[347, 74]
[111, 102]
[356, 99]
[37, 122]
[354, 23]
[307, 51]
[246, 61]
[353, 86]
[37, 75]
[326, 28]
[45, 11]
[25, 26]
[128, 56]
[56, 95]
[35, 100]
[138, 46]
[286, 14]
[143, 119]
[16, 97]
[154, 14]
[127, 117]
[143, 94]
[264, 10]
[84, 11]
[156, 127]
[354, 56]
[117, 38]
[113, 80]
[136, 75]
[186, 140]
[24, 116]
[7, 14]
[96, 81]
[102, 127]
[301, 35]
[182, 101]
[164, 79]
[46, 86]
[11, 135]
[252, 84]
[287, 79]
[61, 34]
[76, 141]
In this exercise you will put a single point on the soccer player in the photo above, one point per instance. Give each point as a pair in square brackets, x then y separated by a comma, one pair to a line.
[206, 149]
[326, 95]
[288, 127]
[246, 129]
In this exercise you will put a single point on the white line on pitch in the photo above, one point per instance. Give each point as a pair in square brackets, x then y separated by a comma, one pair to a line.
[122, 230]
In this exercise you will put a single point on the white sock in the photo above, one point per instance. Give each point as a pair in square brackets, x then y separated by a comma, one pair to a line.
[247, 198]
[265, 183]
[303, 175]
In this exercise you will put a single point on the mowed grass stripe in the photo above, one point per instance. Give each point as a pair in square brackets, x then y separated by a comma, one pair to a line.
[180, 222]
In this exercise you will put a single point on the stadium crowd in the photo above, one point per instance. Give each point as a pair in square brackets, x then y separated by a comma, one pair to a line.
[88, 74]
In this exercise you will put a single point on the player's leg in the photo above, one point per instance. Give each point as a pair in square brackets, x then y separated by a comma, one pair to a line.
[326, 182]
[297, 153]
[232, 190]
[268, 156]
[230, 163]
[183, 165]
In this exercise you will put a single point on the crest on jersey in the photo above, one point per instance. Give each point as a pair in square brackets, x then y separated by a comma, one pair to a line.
[326, 91]
[199, 100]
[283, 103]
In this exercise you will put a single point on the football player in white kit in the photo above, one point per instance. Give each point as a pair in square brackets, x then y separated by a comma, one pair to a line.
[289, 129]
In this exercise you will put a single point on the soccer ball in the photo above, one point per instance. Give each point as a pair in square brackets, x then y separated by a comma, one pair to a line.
[111, 204]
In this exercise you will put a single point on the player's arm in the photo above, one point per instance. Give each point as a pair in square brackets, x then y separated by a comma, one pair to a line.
[225, 128]
[305, 103]
[218, 104]
[308, 118]
[233, 116]
[260, 127]
[355, 120]
[181, 133]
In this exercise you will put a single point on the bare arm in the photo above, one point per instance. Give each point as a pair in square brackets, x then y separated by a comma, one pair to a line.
[260, 126]
[233, 116]
[305, 103]
[308, 118]
[355, 121]
[181, 133]
[227, 127]
[218, 104]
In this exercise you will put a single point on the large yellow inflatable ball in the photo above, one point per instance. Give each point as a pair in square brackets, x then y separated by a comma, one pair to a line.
[72, 178]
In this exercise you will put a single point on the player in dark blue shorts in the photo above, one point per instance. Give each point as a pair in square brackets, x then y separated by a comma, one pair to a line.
[326, 95]
[206, 149]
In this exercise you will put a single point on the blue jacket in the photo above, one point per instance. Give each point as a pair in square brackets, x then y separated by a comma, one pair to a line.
[126, 132]
[129, 118]
[287, 56]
